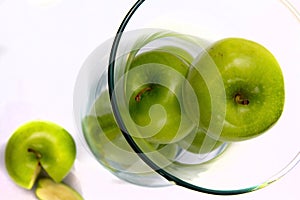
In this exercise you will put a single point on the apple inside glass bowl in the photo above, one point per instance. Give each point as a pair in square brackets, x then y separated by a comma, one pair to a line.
[197, 95]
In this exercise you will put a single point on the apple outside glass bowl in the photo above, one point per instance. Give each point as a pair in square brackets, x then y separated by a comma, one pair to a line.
[137, 104]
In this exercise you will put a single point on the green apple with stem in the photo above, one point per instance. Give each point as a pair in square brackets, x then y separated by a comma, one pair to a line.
[248, 100]
[36, 146]
[154, 88]
[108, 144]
[47, 189]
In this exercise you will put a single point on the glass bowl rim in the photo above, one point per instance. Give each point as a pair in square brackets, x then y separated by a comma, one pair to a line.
[171, 178]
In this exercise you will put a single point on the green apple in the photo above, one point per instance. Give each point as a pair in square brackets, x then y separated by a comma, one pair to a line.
[117, 154]
[154, 89]
[182, 53]
[248, 100]
[108, 144]
[169, 151]
[108, 150]
[101, 130]
[39, 145]
[103, 111]
[47, 189]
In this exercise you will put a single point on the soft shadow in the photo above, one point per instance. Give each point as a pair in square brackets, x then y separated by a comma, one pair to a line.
[72, 180]
[2, 160]
[2, 48]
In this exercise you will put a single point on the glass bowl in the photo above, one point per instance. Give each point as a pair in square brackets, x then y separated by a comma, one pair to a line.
[106, 84]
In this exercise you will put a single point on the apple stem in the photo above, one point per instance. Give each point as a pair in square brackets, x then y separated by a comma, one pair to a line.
[139, 95]
[240, 100]
[38, 155]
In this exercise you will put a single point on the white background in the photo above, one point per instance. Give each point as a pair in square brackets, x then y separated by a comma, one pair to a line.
[43, 44]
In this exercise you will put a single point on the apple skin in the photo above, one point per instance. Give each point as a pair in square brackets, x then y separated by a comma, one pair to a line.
[182, 53]
[103, 111]
[199, 143]
[39, 145]
[252, 83]
[47, 189]
[102, 133]
[117, 154]
[106, 149]
[154, 86]
[109, 146]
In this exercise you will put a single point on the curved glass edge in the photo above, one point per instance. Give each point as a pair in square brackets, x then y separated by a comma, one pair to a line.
[111, 87]
[136, 148]
[293, 10]
[282, 173]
